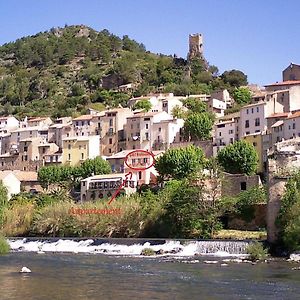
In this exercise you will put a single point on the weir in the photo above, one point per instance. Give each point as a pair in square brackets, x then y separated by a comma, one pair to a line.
[131, 246]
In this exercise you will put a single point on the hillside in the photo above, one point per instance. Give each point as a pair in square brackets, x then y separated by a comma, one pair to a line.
[65, 70]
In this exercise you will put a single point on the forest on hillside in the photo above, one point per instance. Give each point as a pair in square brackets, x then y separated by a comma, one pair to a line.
[63, 71]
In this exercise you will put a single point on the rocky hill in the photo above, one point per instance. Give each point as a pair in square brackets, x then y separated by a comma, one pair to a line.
[65, 70]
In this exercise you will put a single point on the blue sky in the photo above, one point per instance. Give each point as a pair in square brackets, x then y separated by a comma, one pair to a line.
[259, 37]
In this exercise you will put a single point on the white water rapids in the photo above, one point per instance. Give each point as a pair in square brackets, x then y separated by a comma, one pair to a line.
[168, 247]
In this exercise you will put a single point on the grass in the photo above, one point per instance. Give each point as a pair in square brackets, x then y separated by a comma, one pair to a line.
[17, 220]
[4, 246]
[57, 219]
[240, 235]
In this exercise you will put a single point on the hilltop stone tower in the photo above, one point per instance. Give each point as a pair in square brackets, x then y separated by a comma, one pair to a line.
[195, 45]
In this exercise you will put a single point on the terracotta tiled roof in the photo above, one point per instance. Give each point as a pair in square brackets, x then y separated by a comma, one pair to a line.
[278, 115]
[36, 119]
[288, 82]
[294, 115]
[254, 104]
[26, 175]
[83, 117]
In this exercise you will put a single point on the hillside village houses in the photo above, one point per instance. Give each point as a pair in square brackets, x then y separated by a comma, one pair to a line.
[272, 116]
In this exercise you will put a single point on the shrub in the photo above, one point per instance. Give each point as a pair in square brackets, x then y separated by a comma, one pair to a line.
[148, 252]
[4, 246]
[256, 251]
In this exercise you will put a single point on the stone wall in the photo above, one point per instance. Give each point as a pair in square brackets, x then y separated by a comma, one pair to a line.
[233, 184]
[16, 163]
[207, 146]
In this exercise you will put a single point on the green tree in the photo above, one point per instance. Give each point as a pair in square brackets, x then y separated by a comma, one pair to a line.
[178, 112]
[198, 126]
[143, 104]
[77, 90]
[238, 158]
[241, 95]
[195, 105]
[96, 166]
[180, 163]
[235, 78]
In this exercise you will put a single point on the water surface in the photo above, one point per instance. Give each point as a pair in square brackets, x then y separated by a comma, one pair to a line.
[99, 276]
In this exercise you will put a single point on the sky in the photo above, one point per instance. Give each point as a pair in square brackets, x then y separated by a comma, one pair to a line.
[258, 37]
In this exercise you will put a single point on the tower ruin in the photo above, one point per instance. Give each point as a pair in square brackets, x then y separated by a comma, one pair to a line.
[195, 45]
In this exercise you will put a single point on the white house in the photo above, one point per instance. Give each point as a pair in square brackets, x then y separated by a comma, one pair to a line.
[253, 116]
[11, 182]
[217, 106]
[8, 124]
[291, 126]
[105, 186]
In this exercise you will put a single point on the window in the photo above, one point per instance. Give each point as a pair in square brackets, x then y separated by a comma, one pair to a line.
[230, 131]
[140, 175]
[83, 183]
[147, 136]
[257, 109]
[110, 122]
[145, 160]
[294, 125]
[69, 146]
[243, 186]
[147, 126]
[159, 129]
[231, 140]
[69, 156]
[110, 141]
[220, 133]
[247, 111]
[247, 124]
[82, 155]
[257, 122]
[254, 144]
[109, 150]
[252, 110]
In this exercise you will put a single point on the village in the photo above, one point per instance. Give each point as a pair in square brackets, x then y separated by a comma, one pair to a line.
[26, 145]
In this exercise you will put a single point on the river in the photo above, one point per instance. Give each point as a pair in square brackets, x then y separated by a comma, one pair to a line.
[58, 274]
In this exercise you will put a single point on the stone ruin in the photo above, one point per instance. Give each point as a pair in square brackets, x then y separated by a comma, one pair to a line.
[282, 162]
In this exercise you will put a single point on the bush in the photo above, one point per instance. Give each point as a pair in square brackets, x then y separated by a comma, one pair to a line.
[4, 246]
[288, 220]
[256, 251]
[148, 252]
